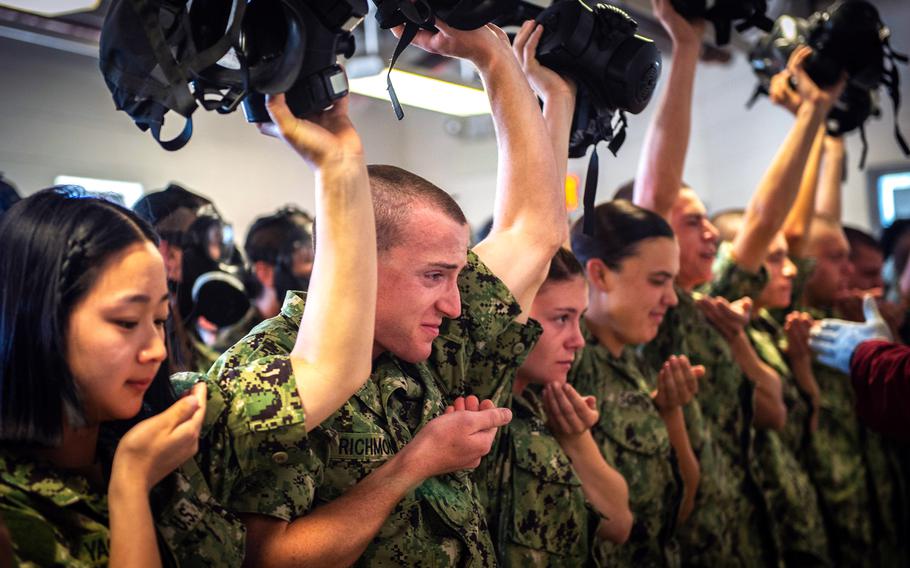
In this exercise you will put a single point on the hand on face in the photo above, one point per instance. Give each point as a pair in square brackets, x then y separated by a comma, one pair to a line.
[568, 413]
[545, 82]
[729, 318]
[157, 446]
[327, 138]
[677, 383]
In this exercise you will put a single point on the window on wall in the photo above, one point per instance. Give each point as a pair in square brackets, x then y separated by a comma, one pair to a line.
[124, 192]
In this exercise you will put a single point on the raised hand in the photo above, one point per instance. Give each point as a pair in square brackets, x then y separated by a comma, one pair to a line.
[806, 88]
[568, 413]
[456, 440]
[324, 139]
[797, 327]
[545, 82]
[782, 94]
[677, 383]
[478, 46]
[157, 446]
[680, 30]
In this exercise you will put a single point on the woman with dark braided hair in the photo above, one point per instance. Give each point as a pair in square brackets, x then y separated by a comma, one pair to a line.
[83, 305]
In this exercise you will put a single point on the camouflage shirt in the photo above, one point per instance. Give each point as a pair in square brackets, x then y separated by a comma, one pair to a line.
[634, 439]
[540, 516]
[731, 519]
[56, 519]
[442, 521]
[790, 494]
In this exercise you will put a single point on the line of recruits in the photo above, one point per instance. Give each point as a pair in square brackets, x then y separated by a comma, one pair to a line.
[649, 400]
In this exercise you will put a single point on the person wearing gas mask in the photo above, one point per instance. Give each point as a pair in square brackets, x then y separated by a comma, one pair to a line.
[388, 484]
[202, 270]
[740, 392]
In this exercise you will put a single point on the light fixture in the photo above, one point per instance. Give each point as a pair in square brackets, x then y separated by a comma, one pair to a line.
[51, 8]
[128, 191]
[424, 92]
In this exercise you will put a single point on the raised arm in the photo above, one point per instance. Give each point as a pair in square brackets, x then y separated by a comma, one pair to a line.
[529, 219]
[332, 354]
[828, 201]
[660, 168]
[799, 220]
[777, 190]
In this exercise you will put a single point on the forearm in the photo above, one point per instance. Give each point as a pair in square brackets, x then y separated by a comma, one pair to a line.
[337, 533]
[133, 540]
[332, 354]
[558, 109]
[689, 469]
[663, 157]
[777, 190]
[799, 220]
[770, 411]
[828, 200]
[604, 487]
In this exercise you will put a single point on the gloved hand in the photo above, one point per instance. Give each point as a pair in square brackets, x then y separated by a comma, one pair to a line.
[835, 340]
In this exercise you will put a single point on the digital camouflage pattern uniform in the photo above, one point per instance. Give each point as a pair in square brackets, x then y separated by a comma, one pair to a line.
[788, 489]
[634, 440]
[56, 519]
[536, 507]
[442, 521]
[730, 523]
[861, 486]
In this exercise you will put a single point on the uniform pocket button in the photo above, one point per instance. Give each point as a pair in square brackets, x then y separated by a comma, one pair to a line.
[280, 457]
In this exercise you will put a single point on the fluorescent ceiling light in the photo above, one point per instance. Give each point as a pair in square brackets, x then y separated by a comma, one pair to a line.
[127, 190]
[424, 92]
[51, 8]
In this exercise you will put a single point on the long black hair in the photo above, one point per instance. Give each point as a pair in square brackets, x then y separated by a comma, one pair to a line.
[52, 247]
[619, 227]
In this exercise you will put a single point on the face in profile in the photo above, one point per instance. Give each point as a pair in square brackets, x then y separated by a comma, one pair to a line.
[417, 283]
[115, 334]
[558, 308]
[781, 271]
[830, 281]
[697, 238]
[641, 291]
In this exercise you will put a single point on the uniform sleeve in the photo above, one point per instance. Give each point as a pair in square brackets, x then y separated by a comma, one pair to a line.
[880, 372]
[480, 351]
[35, 541]
[256, 455]
[733, 282]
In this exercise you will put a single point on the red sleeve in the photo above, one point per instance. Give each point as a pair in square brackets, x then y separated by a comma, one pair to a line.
[880, 372]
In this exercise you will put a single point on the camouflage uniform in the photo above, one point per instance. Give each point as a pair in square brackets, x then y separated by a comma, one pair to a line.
[787, 487]
[861, 490]
[56, 519]
[536, 507]
[634, 439]
[731, 522]
[442, 521]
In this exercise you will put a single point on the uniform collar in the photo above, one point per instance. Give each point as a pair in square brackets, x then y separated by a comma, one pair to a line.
[41, 478]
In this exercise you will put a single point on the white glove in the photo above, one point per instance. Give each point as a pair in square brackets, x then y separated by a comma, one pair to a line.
[835, 340]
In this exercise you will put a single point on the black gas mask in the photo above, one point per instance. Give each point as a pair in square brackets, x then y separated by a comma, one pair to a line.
[173, 55]
[415, 15]
[212, 271]
[615, 69]
[848, 38]
[722, 14]
[283, 240]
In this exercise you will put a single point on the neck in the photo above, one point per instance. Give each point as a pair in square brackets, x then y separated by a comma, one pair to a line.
[76, 451]
[520, 384]
[605, 335]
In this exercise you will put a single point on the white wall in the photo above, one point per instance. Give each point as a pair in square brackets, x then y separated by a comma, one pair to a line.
[57, 117]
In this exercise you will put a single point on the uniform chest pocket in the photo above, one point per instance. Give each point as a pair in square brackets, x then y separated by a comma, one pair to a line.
[632, 423]
[548, 506]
